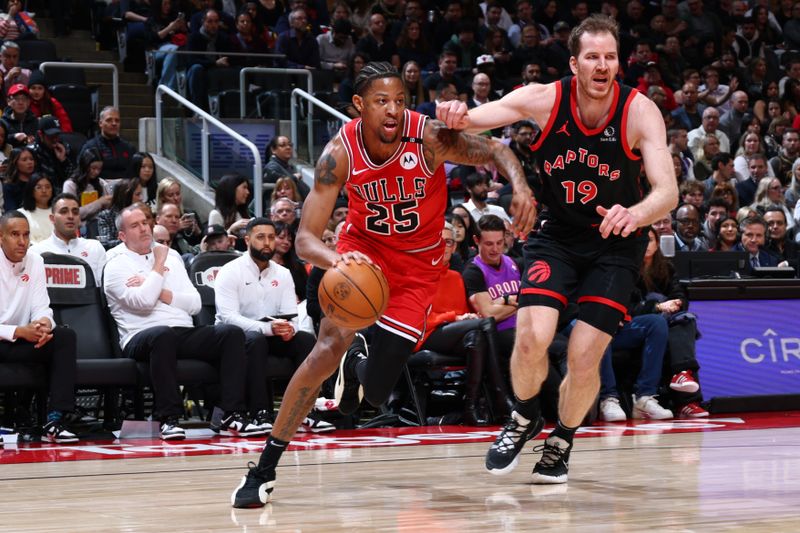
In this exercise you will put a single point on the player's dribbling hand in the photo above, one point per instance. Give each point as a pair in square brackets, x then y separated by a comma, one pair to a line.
[523, 209]
[617, 220]
[453, 114]
[358, 257]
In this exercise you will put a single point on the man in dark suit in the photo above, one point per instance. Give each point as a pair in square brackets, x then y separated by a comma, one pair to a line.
[754, 235]
[208, 38]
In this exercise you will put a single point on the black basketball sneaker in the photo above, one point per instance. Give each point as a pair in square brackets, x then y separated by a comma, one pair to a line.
[503, 455]
[255, 489]
[553, 467]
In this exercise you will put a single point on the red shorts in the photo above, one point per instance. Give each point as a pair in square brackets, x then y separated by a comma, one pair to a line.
[412, 278]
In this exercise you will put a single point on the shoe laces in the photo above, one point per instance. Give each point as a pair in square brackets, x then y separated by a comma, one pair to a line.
[510, 436]
[262, 417]
[551, 453]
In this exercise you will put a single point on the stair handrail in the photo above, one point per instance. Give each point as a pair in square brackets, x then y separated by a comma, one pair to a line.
[207, 118]
[314, 101]
[90, 66]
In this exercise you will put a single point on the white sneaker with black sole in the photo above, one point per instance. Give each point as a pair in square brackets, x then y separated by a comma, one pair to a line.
[263, 420]
[55, 432]
[170, 430]
[236, 425]
[315, 425]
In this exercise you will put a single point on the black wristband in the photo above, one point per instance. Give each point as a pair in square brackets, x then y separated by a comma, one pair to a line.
[505, 298]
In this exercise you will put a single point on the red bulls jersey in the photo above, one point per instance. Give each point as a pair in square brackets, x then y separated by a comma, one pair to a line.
[400, 202]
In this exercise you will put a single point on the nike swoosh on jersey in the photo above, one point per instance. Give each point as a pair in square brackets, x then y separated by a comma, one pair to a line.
[357, 172]
[435, 262]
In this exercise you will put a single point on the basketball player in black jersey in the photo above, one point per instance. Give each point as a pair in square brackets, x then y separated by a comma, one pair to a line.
[596, 134]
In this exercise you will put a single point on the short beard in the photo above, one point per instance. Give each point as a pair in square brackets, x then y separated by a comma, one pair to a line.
[261, 255]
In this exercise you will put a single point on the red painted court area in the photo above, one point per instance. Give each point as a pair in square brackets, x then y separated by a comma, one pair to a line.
[412, 436]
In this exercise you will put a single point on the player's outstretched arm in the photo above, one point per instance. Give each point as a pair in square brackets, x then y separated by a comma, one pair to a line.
[330, 174]
[530, 102]
[647, 128]
[441, 144]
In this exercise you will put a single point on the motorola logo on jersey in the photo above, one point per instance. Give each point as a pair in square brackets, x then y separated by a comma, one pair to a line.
[539, 272]
[582, 155]
[408, 160]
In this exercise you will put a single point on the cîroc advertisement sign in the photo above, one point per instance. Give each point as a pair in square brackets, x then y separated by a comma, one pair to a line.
[748, 347]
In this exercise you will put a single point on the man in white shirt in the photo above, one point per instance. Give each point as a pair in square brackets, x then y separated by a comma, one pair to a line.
[478, 189]
[710, 125]
[28, 333]
[257, 295]
[153, 300]
[66, 219]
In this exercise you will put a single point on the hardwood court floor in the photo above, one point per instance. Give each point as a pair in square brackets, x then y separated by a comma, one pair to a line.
[738, 480]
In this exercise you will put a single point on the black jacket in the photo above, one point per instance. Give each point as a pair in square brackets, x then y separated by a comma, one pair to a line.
[116, 154]
[28, 125]
[48, 164]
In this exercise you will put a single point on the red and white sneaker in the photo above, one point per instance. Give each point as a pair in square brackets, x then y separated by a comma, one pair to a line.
[684, 382]
[693, 410]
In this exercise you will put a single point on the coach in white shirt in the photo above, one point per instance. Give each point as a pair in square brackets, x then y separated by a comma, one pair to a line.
[28, 333]
[66, 218]
[251, 288]
[153, 300]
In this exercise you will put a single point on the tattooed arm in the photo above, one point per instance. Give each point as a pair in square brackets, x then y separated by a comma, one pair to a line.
[330, 175]
[440, 144]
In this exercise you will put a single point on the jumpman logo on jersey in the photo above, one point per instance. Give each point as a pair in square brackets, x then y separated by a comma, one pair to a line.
[563, 129]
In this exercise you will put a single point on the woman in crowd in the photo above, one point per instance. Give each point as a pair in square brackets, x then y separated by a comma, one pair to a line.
[167, 31]
[285, 187]
[770, 194]
[790, 102]
[280, 152]
[247, 40]
[499, 47]
[93, 192]
[43, 103]
[792, 194]
[702, 167]
[727, 192]
[21, 164]
[465, 244]
[726, 235]
[36, 201]
[286, 256]
[126, 192]
[749, 144]
[143, 166]
[413, 46]
[231, 206]
[169, 192]
[453, 330]
[772, 140]
[412, 78]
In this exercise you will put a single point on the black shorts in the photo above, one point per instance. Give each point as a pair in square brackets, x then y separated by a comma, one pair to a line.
[581, 267]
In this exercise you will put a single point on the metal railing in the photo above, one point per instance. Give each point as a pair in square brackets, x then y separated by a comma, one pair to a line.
[267, 70]
[207, 118]
[300, 93]
[151, 62]
[90, 66]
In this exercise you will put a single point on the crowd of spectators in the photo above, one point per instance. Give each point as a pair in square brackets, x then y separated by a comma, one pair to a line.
[725, 74]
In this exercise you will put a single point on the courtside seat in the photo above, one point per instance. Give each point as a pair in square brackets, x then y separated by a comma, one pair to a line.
[416, 370]
[79, 304]
[202, 272]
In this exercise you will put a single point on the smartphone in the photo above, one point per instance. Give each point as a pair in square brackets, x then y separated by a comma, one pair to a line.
[667, 245]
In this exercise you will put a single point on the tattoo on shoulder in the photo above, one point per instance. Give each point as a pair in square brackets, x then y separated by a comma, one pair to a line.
[323, 174]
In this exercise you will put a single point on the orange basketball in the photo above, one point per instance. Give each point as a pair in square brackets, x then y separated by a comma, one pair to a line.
[353, 296]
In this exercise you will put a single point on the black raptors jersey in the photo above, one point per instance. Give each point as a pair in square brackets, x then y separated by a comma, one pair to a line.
[583, 168]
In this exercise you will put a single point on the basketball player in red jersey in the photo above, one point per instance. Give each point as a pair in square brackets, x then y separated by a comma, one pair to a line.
[391, 162]
[595, 136]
